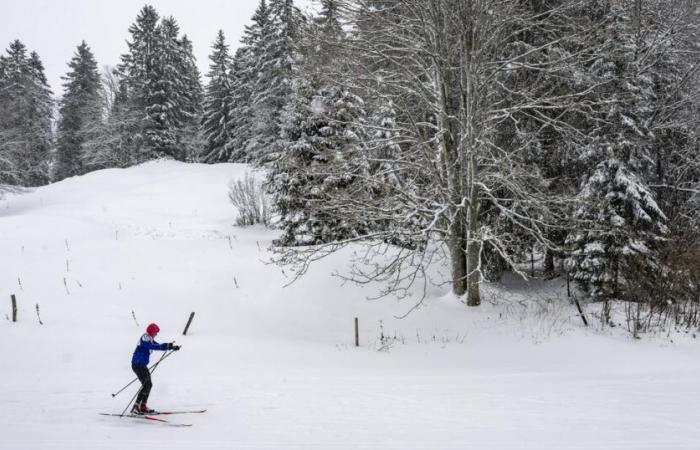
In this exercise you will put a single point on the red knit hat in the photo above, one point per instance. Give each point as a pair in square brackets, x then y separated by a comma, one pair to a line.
[152, 329]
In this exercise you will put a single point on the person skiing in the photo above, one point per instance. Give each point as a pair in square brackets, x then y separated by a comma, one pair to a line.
[139, 364]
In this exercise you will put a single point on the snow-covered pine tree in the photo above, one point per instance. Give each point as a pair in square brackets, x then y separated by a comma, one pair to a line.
[639, 74]
[276, 55]
[14, 71]
[80, 113]
[166, 94]
[163, 87]
[320, 154]
[313, 178]
[190, 134]
[136, 68]
[666, 58]
[218, 106]
[243, 78]
[137, 74]
[26, 111]
[6, 163]
[625, 225]
[41, 106]
[327, 34]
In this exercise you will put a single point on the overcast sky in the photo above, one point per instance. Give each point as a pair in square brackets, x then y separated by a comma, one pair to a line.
[54, 28]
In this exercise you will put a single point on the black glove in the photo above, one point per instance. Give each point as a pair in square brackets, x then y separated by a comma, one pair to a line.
[174, 347]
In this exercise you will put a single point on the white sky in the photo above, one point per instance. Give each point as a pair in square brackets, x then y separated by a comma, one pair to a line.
[54, 28]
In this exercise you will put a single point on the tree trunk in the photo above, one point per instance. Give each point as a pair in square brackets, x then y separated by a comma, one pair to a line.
[637, 18]
[455, 184]
[458, 256]
[473, 245]
[548, 264]
[473, 294]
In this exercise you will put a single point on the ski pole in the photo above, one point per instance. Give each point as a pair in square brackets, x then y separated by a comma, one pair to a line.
[130, 402]
[165, 355]
[150, 369]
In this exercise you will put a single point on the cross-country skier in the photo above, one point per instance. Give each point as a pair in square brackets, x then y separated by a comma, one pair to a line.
[139, 364]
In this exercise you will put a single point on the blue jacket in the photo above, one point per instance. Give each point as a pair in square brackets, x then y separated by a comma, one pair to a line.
[146, 345]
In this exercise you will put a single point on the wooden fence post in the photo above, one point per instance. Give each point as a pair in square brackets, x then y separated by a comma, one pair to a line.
[14, 308]
[357, 333]
[38, 316]
[189, 321]
[580, 311]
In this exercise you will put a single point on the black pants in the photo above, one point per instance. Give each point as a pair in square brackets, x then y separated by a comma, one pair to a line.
[145, 379]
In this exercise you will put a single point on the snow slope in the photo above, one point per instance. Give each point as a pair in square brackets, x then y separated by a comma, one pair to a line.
[275, 366]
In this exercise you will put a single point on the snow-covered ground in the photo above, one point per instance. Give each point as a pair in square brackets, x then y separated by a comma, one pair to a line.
[276, 367]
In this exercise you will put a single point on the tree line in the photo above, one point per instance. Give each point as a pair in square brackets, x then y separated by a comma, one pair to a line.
[470, 133]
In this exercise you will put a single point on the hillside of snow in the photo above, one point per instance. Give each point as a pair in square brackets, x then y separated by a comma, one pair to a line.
[105, 254]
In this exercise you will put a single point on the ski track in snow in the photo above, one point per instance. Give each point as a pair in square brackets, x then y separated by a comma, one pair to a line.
[274, 366]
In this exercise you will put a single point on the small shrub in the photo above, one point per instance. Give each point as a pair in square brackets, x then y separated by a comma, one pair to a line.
[248, 196]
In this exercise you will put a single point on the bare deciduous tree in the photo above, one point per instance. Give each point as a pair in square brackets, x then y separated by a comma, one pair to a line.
[476, 84]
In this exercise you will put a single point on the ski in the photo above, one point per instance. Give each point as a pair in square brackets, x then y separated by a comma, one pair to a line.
[145, 417]
[165, 413]
[166, 422]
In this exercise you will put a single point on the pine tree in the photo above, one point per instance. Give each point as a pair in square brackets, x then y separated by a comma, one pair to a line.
[163, 86]
[320, 153]
[622, 223]
[138, 65]
[321, 156]
[15, 71]
[6, 163]
[625, 225]
[138, 74]
[26, 110]
[190, 136]
[80, 113]
[276, 57]
[244, 74]
[328, 35]
[218, 107]
[165, 101]
[40, 117]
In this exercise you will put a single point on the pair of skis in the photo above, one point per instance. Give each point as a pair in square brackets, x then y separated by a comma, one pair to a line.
[150, 417]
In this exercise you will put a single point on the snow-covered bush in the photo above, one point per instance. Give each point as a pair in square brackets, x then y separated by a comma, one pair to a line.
[248, 196]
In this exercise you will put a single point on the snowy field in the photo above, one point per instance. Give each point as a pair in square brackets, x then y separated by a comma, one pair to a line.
[276, 367]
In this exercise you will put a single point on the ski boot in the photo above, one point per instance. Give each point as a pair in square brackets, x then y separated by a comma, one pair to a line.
[141, 409]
